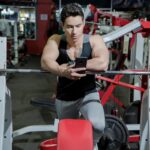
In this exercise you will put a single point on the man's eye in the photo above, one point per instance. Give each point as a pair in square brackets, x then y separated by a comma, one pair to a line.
[69, 27]
[78, 26]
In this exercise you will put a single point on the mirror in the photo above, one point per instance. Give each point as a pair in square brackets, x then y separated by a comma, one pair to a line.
[18, 20]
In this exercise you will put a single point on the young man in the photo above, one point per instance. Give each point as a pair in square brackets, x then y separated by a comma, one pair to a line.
[76, 92]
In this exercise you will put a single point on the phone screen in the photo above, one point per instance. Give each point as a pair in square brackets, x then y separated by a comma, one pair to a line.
[80, 62]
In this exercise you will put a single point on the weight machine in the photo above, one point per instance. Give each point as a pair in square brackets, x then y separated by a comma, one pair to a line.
[6, 132]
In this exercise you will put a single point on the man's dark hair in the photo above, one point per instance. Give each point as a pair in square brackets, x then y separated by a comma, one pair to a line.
[72, 9]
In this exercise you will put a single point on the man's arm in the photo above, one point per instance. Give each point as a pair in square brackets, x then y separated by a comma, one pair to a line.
[49, 63]
[100, 55]
[50, 54]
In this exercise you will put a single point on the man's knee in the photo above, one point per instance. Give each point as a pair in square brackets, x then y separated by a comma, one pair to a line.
[98, 124]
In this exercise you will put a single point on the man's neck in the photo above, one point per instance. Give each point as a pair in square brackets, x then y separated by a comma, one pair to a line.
[77, 44]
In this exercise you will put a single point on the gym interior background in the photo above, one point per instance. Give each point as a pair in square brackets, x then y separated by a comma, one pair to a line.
[27, 24]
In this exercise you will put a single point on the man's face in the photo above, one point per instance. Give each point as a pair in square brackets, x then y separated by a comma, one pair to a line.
[73, 27]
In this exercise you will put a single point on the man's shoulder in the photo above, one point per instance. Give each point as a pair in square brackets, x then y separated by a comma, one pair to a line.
[95, 37]
[55, 37]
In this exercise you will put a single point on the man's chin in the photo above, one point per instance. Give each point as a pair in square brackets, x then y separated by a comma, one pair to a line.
[75, 39]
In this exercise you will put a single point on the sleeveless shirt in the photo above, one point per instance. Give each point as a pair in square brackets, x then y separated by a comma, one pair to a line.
[70, 90]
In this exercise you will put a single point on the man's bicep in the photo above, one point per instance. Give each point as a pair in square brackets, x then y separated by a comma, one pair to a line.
[99, 48]
[50, 50]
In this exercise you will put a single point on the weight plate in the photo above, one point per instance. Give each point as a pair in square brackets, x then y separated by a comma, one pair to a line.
[115, 134]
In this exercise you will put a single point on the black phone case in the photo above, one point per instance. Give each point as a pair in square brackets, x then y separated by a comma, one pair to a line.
[80, 62]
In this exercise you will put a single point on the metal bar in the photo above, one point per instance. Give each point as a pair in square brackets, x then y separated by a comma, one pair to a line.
[8, 129]
[126, 85]
[37, 128]
[2, 90]
[134, 25]
[125, 72]
[22, 71]
[133, 127]
[109, 90]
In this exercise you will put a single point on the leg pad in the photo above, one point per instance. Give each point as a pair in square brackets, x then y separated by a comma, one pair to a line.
[74, 134]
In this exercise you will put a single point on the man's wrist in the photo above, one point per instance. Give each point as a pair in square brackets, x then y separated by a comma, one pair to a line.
[60, 71]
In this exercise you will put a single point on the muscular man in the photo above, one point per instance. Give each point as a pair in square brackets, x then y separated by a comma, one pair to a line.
[76, 92]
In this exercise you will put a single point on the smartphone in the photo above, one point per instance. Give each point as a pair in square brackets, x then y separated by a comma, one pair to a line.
[80, 62]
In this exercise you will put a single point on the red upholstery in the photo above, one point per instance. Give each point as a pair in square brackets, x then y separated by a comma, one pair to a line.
[50, 144]
[74, 134]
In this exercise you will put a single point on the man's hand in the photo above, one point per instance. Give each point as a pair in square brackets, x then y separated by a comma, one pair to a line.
[70, 72]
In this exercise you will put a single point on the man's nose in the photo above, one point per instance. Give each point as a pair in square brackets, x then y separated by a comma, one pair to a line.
[74, 30]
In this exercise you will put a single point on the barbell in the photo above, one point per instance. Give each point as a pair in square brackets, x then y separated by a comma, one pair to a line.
[111, 72]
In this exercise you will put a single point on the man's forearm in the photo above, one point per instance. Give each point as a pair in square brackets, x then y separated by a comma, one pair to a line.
[96, 64]
[52, 67]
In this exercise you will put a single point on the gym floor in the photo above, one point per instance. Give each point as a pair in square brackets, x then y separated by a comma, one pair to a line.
[25, 87]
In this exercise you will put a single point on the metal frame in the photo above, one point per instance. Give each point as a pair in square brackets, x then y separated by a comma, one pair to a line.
[137, 53]
[145, 114]
[6, 122]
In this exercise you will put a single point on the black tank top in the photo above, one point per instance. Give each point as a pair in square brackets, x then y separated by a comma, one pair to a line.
[70, 90]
